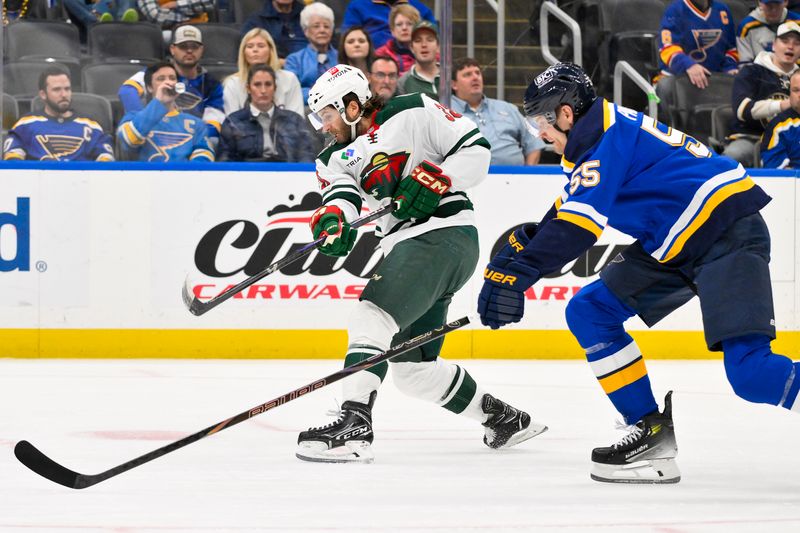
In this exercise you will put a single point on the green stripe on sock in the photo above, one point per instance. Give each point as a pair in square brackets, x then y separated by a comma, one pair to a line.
[356, 357]
[464, 394]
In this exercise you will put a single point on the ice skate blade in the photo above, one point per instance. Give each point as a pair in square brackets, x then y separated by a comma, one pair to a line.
[521, 436]
[358, 451]
[653, 471]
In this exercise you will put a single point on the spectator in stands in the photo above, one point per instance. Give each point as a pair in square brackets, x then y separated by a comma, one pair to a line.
[761, 91]
[310, 62]
[57, 134]
[383, 77]
[281, 18]
[757, 30]
[263, 132]
[257, 47]
[172, 13]
[84, 13]
[355, 49]
[697, 37]
[402, 19]
[500, 122]
[373, 15]
[423, 76]
[161, 132]
[186, 51]
[780, 145]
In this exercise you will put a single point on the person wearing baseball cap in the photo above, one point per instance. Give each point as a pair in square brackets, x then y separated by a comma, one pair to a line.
[761, 91]
[757, 30]
[423, 76]
[186, 49]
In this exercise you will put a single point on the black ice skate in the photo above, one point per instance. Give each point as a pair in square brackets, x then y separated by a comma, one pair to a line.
[347, 440]
[506, 426]
[645, 455]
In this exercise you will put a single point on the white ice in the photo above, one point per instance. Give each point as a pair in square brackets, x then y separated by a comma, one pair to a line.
[432, 472]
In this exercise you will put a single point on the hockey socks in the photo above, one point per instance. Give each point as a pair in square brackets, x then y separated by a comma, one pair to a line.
[620, 370]
[760, 376]
[359, 386]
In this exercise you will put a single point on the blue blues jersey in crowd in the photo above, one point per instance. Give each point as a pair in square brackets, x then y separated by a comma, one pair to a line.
[40, 137]
[780, 146]
[626, 170]
[133, 96]
[157, 134]
[690, 36]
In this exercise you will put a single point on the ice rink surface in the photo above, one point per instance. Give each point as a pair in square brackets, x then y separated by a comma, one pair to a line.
[739, 461]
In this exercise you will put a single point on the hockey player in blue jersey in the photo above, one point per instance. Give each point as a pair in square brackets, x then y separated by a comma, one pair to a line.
[57, 133]
[161, 132]
[696, 219]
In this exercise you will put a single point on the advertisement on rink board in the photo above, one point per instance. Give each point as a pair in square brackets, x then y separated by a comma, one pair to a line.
[111, 250]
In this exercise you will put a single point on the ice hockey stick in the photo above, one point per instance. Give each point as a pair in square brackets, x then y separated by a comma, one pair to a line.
[31, 457]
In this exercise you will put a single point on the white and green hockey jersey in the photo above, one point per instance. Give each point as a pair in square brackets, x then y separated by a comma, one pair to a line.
[408, 130]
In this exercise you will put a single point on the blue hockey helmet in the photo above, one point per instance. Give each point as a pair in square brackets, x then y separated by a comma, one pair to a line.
[562, 83]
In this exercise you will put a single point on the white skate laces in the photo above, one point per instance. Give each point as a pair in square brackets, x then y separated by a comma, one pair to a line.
[634, 433]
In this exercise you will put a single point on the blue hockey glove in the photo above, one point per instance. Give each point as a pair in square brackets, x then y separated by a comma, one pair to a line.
[502, 297]
[419, 194]
[328, 221]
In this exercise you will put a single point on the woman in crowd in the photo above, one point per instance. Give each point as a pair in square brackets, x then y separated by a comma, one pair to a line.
[312, 61]
[257, 47]
[263, 132]
[402, 19]
[356, 49]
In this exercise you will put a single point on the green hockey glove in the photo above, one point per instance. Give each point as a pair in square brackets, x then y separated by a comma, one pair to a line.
[328, 221]
[419, 194]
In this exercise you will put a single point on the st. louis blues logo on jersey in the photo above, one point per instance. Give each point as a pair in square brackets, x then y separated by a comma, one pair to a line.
[380, 177]
[705, 39]
[57, 147]
[164, 141]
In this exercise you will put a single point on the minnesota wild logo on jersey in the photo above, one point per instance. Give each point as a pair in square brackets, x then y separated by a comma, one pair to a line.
[380, 177]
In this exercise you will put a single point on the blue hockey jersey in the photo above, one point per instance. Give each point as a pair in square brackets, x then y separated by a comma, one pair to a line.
[159, 135]
[690, 36]
[133, 96]
[626, 170]
[40, 137]
[780, 146]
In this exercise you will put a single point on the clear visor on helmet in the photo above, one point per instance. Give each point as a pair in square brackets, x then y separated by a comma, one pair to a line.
[325, 117]
[538, 123]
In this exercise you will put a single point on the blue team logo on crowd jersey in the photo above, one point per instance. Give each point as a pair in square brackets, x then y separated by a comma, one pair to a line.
[705, 39]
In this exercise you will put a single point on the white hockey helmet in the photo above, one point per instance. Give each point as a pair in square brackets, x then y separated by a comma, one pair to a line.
[332, 87]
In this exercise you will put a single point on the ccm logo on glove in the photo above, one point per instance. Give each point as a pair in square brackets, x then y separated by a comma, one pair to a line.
[437, 183]
[499, 277]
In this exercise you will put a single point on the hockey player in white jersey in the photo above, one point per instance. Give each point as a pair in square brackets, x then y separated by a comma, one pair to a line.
[413, 150]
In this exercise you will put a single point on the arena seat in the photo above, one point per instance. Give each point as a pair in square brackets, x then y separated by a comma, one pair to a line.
[26, 39]
[220, 43]
[86, 105]
[10, 111]
[244, 8]
[126, 41]
[690, 108]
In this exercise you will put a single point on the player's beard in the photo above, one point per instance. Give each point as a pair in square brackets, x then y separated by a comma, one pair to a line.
[60, 107]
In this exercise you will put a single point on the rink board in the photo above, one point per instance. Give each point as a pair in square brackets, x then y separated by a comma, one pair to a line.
[93, 258]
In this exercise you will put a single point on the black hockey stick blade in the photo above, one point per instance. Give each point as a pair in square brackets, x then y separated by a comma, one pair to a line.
[38, 462]
[31, 457]
[197, 307]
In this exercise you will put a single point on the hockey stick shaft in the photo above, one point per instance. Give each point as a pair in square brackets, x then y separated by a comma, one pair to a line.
[196, 307]
[35, 460]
